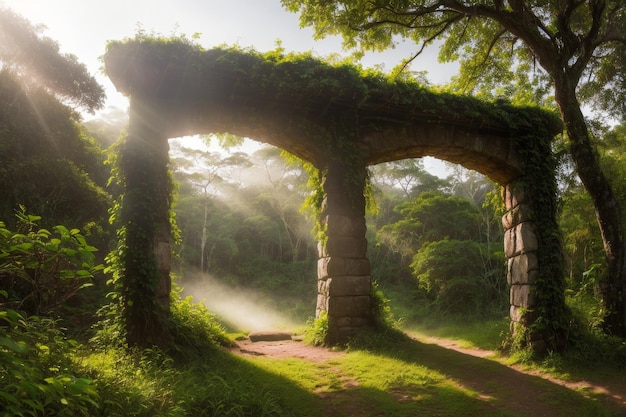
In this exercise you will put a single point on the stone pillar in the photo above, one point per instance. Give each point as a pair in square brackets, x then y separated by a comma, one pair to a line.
[520, 247]
[344, 281]
[145, 216]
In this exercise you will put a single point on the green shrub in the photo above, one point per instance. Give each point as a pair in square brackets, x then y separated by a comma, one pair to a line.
[317, 330]
[37, 374]
[194, 329]
[41, 269]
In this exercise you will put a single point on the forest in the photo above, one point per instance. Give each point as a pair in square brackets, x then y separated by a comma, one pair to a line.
[246, 250]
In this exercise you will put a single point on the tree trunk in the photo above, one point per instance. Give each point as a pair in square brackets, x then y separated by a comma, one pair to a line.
[203, 238]
[608, 214]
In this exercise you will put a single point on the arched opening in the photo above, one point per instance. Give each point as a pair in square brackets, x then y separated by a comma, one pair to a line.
[436, 243]
[247, 251]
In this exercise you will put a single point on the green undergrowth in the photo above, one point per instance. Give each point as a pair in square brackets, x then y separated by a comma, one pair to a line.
[384, 372]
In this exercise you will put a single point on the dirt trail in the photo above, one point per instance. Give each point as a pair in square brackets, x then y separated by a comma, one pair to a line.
[520, 392]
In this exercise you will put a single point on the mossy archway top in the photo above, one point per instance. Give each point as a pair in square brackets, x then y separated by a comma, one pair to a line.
[341, 119]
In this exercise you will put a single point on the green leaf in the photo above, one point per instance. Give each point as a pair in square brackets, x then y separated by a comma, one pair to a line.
[12, 345]
[82, 273]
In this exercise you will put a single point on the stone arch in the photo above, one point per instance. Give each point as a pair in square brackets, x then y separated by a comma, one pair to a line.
[341, 121]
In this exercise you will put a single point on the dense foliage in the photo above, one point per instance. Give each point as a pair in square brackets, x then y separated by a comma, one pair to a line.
[49, 164]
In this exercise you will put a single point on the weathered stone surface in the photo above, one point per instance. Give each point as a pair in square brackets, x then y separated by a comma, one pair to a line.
[344, 247]
[347, 321]
[336, 266]
[322, 303]
[521, 315]
[514, 195]
[526, 238]
[322, 286]
[509, 243]
[165, 285]
[342, 286]
[520, 239]
[350, 306]
[519, 266]
[517, 215]
[522, 296]
[345, 204]
[163, 255]
[345, 225]
[338, 335]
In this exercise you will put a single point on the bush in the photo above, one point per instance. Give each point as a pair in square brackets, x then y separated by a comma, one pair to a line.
[42, 269]
[36, 373]
[317, 330]
[462, 278]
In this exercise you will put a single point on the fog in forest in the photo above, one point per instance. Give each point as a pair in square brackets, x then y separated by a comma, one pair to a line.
[242, 308]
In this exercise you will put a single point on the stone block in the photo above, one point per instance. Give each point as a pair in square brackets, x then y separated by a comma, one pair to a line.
[526, 237]
[520, 239]
[522, 296]
[517, 215]
[509, 243]
[322, 286]
[343, 286]
[351, 306]
[345, 247]
[353, 321]
[165, 285]
[336, 266]
[163, 256]
[520, 277]
[522, 315]
[339, 335]
[338, 225]
[345, 204]
[518, 268]
[514, 195]
[322, 303]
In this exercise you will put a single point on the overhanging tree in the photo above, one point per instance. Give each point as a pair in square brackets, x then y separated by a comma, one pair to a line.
[49, 164]
[575, 48]
[38, 60]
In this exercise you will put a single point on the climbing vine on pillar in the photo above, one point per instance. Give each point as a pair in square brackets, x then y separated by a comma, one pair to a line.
[551, 312]
[141, 213]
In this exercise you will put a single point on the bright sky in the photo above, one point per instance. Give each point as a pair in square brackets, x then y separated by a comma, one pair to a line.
[82, 28]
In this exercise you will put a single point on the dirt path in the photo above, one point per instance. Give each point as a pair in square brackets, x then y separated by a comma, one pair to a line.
[520, 392]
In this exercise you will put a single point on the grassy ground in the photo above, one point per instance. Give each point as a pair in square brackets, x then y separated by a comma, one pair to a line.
[383, 375]
[408, 377]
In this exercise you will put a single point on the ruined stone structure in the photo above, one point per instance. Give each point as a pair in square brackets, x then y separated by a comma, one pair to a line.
[341, 130]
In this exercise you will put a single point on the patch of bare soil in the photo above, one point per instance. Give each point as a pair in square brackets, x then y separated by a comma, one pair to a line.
[508, 389]
[285, 349]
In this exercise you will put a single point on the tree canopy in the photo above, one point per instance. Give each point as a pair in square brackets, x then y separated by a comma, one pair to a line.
[38, 61]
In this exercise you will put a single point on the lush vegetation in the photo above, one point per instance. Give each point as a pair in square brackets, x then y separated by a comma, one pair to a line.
[240, 224]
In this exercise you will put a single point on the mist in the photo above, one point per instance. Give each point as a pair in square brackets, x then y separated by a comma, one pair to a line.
[241, 308]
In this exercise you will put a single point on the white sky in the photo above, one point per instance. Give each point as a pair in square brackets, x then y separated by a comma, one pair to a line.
[82, 28]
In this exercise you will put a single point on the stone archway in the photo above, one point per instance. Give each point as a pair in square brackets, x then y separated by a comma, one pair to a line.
[341, 122]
